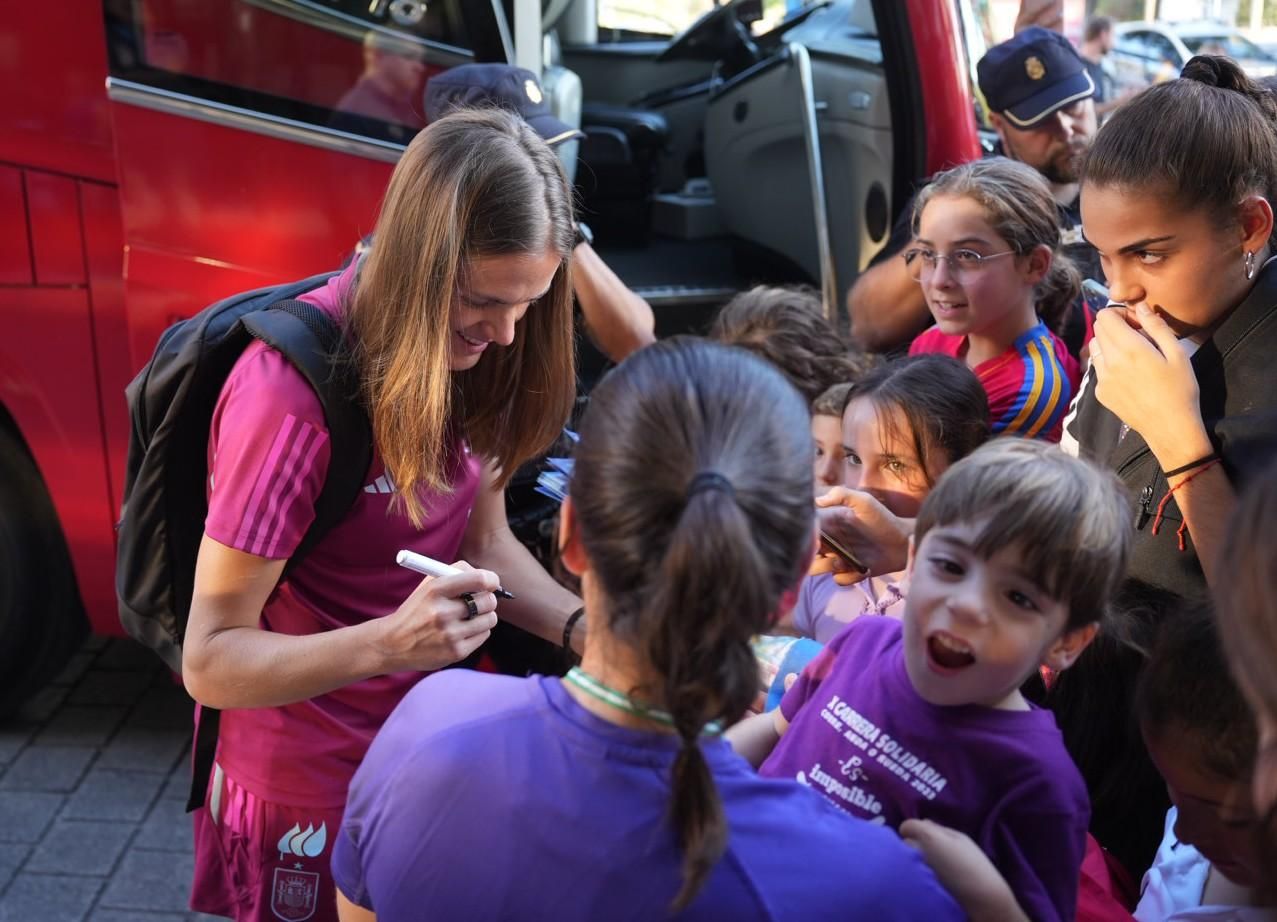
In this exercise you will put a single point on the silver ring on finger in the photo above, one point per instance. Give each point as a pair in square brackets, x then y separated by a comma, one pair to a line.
[472, 609]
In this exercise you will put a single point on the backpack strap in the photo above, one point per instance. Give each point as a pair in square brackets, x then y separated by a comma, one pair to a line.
[309, 339]
[314, 344]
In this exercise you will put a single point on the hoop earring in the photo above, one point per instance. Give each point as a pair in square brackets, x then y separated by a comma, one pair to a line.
[1250, 264]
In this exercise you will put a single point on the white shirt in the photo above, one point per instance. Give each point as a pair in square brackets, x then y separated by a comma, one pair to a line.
[1067, 442]
[1172, 887]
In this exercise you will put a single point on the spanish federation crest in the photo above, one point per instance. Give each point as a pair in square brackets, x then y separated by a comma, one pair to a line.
[533, 91]
[294, 894]
[1034, 67]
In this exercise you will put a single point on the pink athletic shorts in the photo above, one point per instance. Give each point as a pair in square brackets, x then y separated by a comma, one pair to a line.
[257, 861]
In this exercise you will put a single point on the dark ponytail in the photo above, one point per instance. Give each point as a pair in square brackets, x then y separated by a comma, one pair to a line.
[1205, 141]
[1057, 291]
[692, 491]
[1226, 74]
[707, 663]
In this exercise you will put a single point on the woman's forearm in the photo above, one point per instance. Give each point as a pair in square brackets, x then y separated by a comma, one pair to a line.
[244, 667]
[618, 320]
[541, 606]
[1207, 504]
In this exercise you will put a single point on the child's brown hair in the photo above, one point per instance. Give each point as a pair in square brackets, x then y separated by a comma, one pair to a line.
[1185, 693]
[1070, 519]
[787, 327]
[833, 401]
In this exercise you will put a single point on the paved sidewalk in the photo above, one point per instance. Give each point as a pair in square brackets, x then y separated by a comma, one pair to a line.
[93, 781]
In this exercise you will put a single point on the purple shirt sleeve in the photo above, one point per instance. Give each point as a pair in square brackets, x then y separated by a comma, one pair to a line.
[1039, 850]
[804, 615]
[347, 864]
[268, 456]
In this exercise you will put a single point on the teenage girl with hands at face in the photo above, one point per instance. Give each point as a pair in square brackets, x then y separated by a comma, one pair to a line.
[1176, 197]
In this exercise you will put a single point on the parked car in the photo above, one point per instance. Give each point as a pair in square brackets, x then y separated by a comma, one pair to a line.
[1150, 52]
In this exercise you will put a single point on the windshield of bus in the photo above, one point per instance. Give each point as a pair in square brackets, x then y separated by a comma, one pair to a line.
[665, 18]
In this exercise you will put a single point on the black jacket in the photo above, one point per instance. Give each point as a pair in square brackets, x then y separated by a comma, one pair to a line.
[1237, 376]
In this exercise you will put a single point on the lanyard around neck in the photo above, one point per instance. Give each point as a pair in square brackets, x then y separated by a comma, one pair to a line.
[621, 701]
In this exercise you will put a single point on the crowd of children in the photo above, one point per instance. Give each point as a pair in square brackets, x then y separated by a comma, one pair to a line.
[1008, 640]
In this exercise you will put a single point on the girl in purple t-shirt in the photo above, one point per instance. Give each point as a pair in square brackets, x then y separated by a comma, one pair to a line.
[1017, 551]
[610, 794]
[459, 326]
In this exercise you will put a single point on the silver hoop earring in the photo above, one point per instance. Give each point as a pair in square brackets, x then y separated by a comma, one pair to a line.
[1250, 264]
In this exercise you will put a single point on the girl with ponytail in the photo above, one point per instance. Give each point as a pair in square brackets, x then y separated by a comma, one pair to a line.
[609, 794]
[1001, 316]
[1177, 195]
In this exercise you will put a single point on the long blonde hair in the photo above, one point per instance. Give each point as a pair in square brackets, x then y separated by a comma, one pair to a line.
[475, 183]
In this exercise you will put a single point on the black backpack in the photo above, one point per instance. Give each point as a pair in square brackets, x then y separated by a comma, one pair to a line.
[171, 403]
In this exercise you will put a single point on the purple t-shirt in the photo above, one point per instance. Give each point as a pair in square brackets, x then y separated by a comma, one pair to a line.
[824, 608]
[861, 734]
[488, 797]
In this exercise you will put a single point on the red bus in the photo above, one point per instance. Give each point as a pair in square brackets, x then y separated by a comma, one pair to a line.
[156, 155]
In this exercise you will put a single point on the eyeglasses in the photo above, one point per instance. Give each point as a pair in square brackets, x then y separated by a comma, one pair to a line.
[922, 262]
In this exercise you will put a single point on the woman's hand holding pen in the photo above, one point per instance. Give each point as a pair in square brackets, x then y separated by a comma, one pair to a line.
[1144, 378]
[877, 536]
[434, 627]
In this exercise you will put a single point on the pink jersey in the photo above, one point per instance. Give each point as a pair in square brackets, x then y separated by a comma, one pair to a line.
[1030, 385]
[268, 455]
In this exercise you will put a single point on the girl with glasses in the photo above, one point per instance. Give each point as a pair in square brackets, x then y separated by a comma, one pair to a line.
[987, 255]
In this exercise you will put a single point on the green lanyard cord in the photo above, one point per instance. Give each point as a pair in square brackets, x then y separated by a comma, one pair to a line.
[623, 702]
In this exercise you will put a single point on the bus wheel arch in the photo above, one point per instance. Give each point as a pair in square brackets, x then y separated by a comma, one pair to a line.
[42, 619]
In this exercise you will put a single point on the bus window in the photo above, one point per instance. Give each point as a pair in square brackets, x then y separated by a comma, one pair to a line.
[353, 65]
[638, 20]
[635, 20]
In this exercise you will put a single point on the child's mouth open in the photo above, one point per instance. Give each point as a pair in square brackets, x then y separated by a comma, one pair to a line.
[947, 654]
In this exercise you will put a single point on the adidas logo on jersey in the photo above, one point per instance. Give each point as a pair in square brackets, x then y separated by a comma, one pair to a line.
[382, 484]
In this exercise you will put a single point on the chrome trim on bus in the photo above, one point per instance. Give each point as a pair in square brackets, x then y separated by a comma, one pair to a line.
[352, 27]
[271, 126]
[684, 295]
[816, 171]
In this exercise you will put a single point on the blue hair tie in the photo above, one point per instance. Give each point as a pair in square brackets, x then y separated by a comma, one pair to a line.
[710, 480]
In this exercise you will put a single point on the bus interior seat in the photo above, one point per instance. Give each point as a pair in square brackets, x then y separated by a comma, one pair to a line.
[618, 166]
